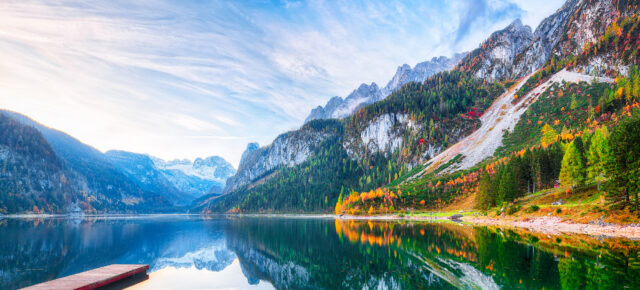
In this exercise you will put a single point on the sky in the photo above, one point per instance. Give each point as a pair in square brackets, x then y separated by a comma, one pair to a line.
[185, 79]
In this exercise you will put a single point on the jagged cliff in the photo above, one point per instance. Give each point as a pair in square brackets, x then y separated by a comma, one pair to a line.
[287, 150]
[515, 52]
[494, 59]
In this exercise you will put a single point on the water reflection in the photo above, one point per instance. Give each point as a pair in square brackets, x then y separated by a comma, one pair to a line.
[313, 253]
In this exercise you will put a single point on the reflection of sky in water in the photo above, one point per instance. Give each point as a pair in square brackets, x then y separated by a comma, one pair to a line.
[192, 252]
[169, 277]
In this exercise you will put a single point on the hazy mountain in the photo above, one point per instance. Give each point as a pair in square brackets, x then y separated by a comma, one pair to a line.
[89, 178]
[141, 168]
[208, 175]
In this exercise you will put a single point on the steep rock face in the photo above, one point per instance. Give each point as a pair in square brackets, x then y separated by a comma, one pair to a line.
[546, 37]
[514, 52]
[367, 94]
[588, 21]
[383, 134]
[588, 27]
[288, 149]
[493, 60]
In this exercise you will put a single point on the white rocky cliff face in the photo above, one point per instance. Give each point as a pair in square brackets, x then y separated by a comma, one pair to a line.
[288, 149]
[383, 134]
[494, 59]
[515, 52]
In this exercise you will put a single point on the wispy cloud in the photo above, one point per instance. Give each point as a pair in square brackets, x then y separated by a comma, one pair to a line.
[184, 79]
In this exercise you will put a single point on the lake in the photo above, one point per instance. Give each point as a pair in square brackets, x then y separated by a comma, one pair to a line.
[195, 252]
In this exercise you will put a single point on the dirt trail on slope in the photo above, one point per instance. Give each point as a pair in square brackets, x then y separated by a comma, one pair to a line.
[501, 116]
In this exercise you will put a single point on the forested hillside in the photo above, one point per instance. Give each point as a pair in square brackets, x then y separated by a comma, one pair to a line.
[31, 175]
[565, 138]
[574, 137]
[369, 149]
[72, 177]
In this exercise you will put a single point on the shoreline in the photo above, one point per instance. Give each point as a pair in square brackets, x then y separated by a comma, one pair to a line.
[545, 225]
[557, 226]
[73, 216]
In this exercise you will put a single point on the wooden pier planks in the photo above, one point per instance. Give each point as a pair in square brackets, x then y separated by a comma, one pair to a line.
[93, 278]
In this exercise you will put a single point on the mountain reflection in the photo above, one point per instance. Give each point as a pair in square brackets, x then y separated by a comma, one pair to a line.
[314, 253]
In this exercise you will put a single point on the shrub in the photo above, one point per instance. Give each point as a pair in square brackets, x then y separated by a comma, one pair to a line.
[513, 209]
[533, 208]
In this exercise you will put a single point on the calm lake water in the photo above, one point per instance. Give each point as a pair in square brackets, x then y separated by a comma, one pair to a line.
[191, 252]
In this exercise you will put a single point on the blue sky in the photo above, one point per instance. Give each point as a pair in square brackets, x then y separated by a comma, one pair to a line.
[182, 79]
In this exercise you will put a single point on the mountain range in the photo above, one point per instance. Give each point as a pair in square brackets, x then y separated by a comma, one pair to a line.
[58, 174]
[377, 135]
[370, 93]
[445, 121]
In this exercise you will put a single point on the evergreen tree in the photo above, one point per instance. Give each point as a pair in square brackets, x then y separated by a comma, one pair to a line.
[485, 198]
[624, 164]
[572, 170]
[598, 155]
[507, 186]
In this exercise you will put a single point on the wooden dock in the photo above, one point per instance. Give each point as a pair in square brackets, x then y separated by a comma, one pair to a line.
[92, 279]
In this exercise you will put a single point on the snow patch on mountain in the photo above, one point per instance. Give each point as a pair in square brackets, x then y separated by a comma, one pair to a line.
[212, 168]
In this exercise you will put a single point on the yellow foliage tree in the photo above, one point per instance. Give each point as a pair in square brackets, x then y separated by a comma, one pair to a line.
[549, 135]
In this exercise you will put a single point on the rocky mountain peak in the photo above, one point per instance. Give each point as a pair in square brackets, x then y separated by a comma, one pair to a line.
[370, 93]
[494, 59]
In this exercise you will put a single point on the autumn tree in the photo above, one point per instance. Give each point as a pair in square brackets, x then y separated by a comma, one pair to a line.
[338, 208]
[549, 135]
[572, 168]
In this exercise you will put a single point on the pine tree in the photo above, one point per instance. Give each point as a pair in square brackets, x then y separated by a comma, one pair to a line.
[485, 197]
[624, 164]
[572, 170]
[598, 155]
[507, 186]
